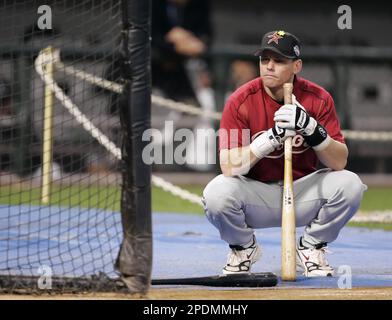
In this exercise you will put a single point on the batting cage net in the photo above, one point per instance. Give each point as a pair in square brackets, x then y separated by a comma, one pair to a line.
[60, 180]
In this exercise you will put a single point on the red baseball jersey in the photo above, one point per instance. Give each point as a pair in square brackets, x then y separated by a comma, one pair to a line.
[250, 108]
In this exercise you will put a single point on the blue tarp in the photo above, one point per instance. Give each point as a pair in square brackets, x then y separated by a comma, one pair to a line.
[86, 241]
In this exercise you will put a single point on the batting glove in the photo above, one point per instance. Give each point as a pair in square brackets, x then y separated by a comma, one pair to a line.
[278, 135]
[294, 117]
[268, 141]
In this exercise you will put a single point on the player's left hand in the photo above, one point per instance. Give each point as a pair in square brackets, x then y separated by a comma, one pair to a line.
[294, 117]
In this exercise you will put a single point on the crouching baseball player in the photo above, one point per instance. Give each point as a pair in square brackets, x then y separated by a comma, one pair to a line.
[248, 194]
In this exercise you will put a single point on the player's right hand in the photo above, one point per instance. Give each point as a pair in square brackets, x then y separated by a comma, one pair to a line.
[294, 117]
[278, 135]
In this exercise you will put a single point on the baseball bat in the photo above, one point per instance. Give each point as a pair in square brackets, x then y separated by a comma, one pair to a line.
[288, 212]
[266, 279]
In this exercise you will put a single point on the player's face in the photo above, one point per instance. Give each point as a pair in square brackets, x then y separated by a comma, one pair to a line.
[276, 70]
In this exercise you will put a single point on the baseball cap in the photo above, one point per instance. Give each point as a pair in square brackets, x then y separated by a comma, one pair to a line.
[281, 42]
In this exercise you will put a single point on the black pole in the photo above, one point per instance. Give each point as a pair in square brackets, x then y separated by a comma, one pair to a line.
[134, 260]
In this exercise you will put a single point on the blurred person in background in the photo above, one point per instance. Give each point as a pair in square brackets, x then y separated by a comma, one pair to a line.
[241, 71]
[181, 35]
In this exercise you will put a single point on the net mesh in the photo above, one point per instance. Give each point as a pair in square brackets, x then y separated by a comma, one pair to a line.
[76, 235]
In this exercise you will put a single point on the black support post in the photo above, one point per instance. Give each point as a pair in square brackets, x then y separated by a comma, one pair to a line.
[135, 257]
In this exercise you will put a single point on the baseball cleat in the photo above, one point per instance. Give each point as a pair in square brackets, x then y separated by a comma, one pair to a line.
[313, 261]
[240, 259]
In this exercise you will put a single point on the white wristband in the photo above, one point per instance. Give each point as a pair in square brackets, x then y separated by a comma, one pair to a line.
[261, 146]
[323, 145]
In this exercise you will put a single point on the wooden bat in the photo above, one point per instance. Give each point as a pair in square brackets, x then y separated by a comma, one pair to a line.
[288, 212]
[266, 279]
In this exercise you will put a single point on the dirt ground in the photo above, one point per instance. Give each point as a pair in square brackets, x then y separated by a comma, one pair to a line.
[187, 293]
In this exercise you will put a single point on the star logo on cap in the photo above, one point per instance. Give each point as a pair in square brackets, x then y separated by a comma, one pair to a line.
[275, 37]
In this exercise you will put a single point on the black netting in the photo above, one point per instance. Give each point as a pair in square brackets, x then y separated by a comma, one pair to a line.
[32, 285]
[76, 234]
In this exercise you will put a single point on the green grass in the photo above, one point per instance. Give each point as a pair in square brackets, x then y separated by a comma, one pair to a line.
[375, 199]
[88, 197]
[165, 202]
[97, 197]
[372, 225]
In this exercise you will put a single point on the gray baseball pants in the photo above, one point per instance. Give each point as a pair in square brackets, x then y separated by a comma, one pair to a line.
[324, 202]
